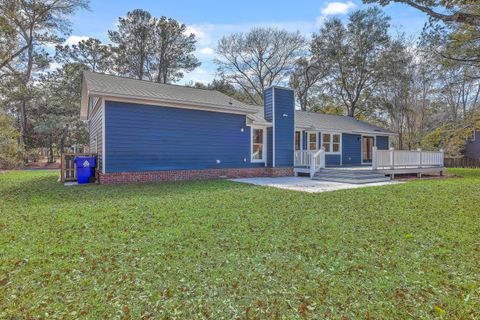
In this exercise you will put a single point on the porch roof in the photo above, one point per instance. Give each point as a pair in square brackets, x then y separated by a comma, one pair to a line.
[325, 122]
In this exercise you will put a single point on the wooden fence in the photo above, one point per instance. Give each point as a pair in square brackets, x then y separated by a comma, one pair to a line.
[68, 171]
[462, 163]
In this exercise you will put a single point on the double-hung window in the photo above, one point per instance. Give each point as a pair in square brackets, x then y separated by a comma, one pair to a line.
[331, 142]
[258, 145]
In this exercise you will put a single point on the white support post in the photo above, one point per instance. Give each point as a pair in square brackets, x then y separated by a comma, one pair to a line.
[392, 158]
[374, 158]
[420, 155]
[322, 158]
[442, 155]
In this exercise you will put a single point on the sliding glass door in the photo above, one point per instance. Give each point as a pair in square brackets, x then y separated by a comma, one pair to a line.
[367, 148]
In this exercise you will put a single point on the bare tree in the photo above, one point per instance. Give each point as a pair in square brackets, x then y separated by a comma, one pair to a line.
[306, 78]
[258, 59]
[458, 11]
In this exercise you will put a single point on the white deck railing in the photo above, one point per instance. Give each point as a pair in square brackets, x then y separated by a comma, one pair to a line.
[394, 159]
[313, 160]
[302, 158]
[317, 161]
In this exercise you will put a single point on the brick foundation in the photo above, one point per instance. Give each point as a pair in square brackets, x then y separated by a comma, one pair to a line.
[178, 175]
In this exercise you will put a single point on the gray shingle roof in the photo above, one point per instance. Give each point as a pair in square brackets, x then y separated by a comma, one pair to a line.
[326, 122]
[329, 122]
[103, 84]
[110, 85]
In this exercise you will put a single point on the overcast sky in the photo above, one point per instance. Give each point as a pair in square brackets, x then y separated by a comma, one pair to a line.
[210, 20]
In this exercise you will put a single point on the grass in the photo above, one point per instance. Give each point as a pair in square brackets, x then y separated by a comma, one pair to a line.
[223, 250]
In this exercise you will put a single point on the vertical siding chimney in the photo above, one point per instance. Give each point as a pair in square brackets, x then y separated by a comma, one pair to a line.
[279, 108]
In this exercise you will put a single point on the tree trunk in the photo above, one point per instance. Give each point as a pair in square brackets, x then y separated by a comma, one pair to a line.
[50, 150]
[63, 139]
[22, 122]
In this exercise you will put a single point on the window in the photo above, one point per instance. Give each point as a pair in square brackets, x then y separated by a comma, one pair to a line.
[258, 141]
[298, 140]
[335, 143]
[331, 142]
[312, 141]
[326, 141]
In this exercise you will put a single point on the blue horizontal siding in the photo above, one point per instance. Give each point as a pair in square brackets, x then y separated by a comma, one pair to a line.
[351, 148]
[332, 159]
[269, 147]
[382, 142]
[268, 105]
[146, 138]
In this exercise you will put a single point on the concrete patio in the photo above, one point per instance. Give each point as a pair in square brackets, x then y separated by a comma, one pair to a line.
[305, 184]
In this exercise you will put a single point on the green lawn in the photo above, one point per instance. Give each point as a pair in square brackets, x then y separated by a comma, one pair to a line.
[224, 250]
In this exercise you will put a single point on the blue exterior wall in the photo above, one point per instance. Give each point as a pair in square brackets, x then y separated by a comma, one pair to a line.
[144, 138]
[351, 148]
[280, 109]
[332, 159]
[269, 147]
[382, 142]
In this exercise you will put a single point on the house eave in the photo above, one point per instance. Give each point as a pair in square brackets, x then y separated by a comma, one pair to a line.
[169, 103]
[364, 132]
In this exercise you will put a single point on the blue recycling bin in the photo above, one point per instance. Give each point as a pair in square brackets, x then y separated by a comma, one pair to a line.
[85, 168]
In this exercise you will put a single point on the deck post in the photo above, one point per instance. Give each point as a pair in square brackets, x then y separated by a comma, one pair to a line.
[374, 158]
[442, 155]
[392, 158]
[419, 150]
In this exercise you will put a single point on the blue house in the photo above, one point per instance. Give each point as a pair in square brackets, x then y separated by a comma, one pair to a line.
[144, 131]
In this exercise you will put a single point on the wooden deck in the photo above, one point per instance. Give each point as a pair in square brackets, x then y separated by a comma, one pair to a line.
[389, 162]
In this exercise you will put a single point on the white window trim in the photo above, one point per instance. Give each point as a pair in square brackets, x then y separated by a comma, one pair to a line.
[264, 138]
[308, 139]
[331, 142]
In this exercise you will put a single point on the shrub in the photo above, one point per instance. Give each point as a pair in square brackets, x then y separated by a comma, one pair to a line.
[11, 154]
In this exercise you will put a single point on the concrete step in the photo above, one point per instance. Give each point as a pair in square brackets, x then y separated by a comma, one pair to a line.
[340, 171]
[350, 176]
[333, 176]
[352, 181]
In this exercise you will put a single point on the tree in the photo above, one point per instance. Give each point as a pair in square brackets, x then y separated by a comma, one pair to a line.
[352, 53]
[11, 156]
[152, 49]
[225, 87]
[133, 43]
[33, 24]
[305, 79]
[173, 50]
[56, 123]
[258, 59]
[395, 93]
[453, 11]
[91, 53]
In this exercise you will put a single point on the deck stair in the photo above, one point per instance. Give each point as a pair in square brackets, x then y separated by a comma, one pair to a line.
[356, 176]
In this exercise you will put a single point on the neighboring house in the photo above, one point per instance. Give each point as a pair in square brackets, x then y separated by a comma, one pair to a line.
[472, 148]
[145, 131]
